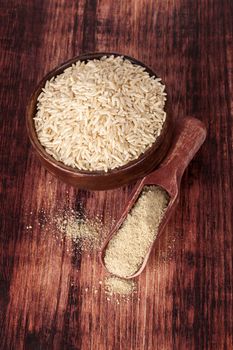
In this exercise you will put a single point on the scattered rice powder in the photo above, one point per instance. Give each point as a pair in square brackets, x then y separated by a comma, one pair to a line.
[116, 285]
[100, 114]
[85, 232]
[127, 249]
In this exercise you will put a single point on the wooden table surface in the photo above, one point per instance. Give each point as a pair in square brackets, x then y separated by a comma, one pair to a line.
[50, 296]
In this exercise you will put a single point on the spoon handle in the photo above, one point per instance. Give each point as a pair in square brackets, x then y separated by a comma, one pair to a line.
[189, 136]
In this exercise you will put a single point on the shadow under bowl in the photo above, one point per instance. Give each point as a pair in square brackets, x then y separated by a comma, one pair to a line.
[99, 180]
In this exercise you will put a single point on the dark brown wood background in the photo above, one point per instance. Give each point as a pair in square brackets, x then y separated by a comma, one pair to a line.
[50, 298]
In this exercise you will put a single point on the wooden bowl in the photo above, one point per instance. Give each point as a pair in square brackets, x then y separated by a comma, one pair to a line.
[99, 180]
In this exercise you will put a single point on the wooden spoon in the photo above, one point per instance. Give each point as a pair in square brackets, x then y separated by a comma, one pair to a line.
[190, 134]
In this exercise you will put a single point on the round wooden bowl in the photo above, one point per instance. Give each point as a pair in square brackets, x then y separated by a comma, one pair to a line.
[99, 180]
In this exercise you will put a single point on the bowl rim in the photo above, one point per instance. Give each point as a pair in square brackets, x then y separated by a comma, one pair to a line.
[32, 107]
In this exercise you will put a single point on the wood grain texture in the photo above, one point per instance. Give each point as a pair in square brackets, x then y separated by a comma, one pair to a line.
[50, 297]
